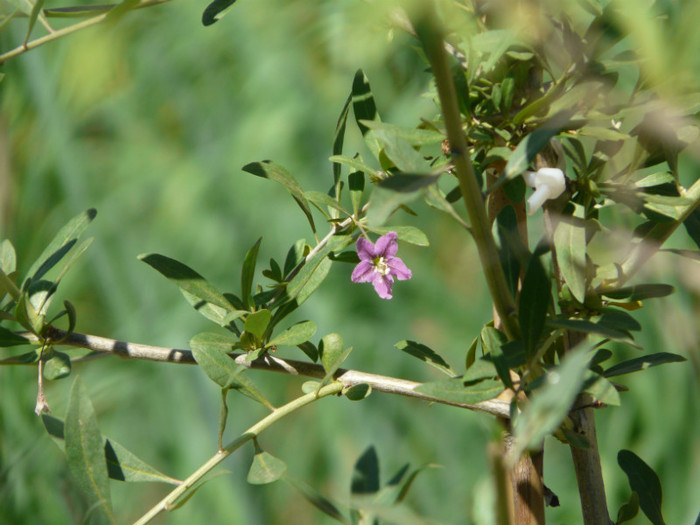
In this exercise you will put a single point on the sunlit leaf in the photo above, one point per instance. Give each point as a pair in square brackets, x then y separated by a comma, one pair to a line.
[425, 354]
[265, 468]
[85, 452]
[295, 334]
[409, 234]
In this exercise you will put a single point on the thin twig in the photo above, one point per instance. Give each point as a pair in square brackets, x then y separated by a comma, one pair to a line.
[348, 378]
[23, 48]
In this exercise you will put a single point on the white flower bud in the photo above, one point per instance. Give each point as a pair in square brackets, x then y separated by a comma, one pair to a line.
[549, 183]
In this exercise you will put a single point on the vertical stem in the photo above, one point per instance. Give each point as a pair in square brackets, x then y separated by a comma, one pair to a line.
[589, 474]
[432, 39]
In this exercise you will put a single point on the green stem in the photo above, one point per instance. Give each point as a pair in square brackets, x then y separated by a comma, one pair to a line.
[253, 432]
[66, 31]
[9, 286]
[433, 43]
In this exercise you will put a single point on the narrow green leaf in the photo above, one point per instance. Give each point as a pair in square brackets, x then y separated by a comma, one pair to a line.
[265, 468]
[628, 510]
[317, 500]
[552, 402]
[642, 363]
[570, 243]
[61, 244]
[295, 334]
[363, 101]
[413, 136]
[491, 341]
[323, 199]
[365, 475]
[339, 136]
[9, 338]
[27, 358]
[8, 257]
[248, 272]
[123, 465]
[588, 327]
[85, 452]
[216, 10]
[186, 279]
[470, 357]
[534, 300]
[356, 184]
[269, 170]
[355, 163]
[644, 481]
[407, 183]
[425, 354]
[33, 15]
[639, 292]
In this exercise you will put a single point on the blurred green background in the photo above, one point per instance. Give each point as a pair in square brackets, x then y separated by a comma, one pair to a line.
[150, 121]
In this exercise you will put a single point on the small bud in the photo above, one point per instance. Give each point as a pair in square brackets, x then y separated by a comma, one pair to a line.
[549, 183]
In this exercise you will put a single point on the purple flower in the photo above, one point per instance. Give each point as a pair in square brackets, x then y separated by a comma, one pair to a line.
[378, 264]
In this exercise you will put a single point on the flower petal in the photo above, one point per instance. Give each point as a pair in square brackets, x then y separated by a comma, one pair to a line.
[364, 272]
[398, 269]
[382, 285]
[386, 246]
[365, 249]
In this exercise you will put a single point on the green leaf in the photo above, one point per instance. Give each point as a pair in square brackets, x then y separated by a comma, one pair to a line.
[216, 11]
[295, 334]
[413, 136]
[323, 199]
[692, 226]
[407, 183]
[257, 322]
[210, 350]
[470, 357]
[494, 43]
[639, 292]
[363, 101]
[409, 234]
[339, 136]
[642, 363]
[644, 481]
[57, 367]
[534, 300]
[356, 184]
[365, 475]
[8, 257]
[317, 500]
[570, 244]
[332, 352]
[358, 392]
[27, 358]
[400, 152]
[187, 279]
[123, 465]
[492, 341]
[355, 163]
[27, 316]
[628, 510]
[601, 389]
[588, 327]
[382, 203]
[9, 338]
[85, 452]
[36, 10]
[552, 402]
[457, 390]
[265, 468]
[64, 240]
[425, 354]
[531, 145]
[248, 272]
[269, 170]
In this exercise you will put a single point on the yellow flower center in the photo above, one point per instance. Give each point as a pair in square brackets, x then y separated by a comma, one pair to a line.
[380, 266]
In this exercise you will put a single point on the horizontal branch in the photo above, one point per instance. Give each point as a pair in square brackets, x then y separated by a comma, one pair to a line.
[348, 378]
